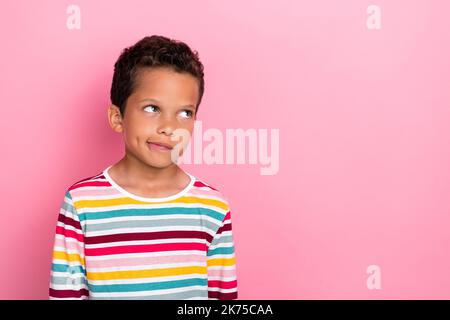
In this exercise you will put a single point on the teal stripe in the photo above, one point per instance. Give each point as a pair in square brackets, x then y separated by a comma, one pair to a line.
[148, 286]
[152, 223]
[191, 294]
[228, 250]
[222, 239]
[68, 205]
[68, 280]
[138, 212]
[64, 268]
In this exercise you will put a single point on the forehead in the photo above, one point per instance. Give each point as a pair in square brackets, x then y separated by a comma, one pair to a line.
[166, 84]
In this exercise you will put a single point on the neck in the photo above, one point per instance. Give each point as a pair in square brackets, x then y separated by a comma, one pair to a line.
[142, 174]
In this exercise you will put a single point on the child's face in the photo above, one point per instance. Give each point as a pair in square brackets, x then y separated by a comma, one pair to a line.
[162, 101]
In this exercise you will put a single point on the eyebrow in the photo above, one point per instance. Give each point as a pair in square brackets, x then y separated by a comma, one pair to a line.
[189, 106]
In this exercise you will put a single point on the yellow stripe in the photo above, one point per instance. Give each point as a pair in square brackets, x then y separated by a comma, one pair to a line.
[121, 201]
[221, 262]
[134, 274]
[61, 255]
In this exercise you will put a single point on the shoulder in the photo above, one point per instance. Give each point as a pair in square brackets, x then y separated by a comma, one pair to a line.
[87, 186]
[210, 194]
[89, 181]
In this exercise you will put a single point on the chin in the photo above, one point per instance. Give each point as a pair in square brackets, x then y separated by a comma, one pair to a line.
[161, 164]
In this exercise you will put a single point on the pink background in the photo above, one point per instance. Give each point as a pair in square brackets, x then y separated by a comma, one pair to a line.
[364, 135]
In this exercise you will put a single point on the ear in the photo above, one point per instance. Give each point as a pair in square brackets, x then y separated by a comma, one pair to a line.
[115, 119]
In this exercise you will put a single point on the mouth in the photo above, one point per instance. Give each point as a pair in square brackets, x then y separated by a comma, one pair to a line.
[157, 146]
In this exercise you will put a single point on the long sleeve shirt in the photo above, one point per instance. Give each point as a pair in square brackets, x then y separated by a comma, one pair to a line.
[112, 244]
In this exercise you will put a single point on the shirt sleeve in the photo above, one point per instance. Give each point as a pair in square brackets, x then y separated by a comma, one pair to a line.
[68, 272]
[221, 262]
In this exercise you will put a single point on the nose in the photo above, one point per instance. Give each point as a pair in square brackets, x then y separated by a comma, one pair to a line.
[166, 126]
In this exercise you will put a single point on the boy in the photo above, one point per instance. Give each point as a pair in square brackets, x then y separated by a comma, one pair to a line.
[143, 228]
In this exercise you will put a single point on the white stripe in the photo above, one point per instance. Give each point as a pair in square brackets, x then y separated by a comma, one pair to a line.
[222, 278]
[66, 262]
[217, 197]
[139, 255]
[233, 267]
[143, 242]
[223, 234]
[174, 216]
[144, 229]
[69, 275]
[151, 266]
[64, 249]
[145, 293]
[98, 196]
[221, 245]
[207, 187]
[83, 297]
[215, 289]
[220, 256]
[67, 239]
[68, 214]
[68, 286]
[148, 279]
[69, 227]
[94, 209]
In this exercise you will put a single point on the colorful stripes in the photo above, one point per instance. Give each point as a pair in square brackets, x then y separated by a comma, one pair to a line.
[112, 245]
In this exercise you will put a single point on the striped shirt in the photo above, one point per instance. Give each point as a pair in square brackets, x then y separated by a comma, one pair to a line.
[112, 244]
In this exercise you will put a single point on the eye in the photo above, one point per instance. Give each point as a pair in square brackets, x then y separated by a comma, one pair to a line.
[151, 106]
[188, 112]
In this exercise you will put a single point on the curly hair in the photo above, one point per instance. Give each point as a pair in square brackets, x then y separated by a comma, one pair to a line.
[153, 51]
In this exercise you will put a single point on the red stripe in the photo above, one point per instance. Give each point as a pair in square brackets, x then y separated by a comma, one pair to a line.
[148, 236]
[146, 248]
[69, 221]
[222, 296]
[68, 293]
[97, 176]
[225, 227]
[222, 284]
[201, 184]
[69, 233]
[90, 184]
[86, 179]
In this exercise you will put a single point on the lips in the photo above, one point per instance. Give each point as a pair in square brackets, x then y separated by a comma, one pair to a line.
[159, 145]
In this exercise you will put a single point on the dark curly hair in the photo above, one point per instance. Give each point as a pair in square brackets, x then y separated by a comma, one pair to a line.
[153, 51]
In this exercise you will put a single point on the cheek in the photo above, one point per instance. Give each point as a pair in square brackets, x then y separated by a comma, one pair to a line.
[139, 125]
[183, 133]
[188, 126]
[136, 132]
